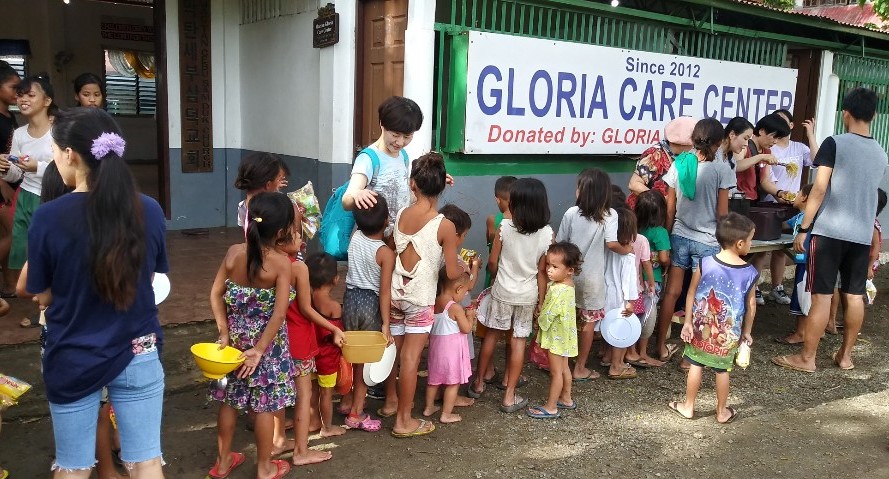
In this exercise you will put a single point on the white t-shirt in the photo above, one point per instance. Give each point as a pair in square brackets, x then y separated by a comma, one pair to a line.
[795, 152]
[590, 237]
[40, 149]
[516, 280]
[621, 280]
[392, 181]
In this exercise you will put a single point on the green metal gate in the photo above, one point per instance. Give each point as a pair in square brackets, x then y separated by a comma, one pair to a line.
[868, 72]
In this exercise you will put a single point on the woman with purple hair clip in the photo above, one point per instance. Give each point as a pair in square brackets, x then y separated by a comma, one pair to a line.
[92, 254]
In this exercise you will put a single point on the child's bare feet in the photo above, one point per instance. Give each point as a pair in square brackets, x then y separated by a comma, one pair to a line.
[428, 411]
[450, 418]
[331, 431]
[463, 401]
[4, 310]
[311, 457]
[650, 361]
[286, 445]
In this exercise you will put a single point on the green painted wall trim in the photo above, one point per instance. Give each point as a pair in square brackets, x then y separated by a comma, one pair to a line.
[525, 165]
[456, 106]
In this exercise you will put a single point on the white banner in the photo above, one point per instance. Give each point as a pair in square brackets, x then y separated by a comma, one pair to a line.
[531, 96]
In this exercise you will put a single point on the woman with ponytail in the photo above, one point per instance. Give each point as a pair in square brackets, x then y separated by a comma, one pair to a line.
[91, 257]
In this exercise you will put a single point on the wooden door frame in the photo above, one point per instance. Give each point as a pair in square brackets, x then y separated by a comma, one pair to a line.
[357, 127]
[162, 109]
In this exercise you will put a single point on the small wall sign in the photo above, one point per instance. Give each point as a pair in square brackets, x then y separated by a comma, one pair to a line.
[326, 28]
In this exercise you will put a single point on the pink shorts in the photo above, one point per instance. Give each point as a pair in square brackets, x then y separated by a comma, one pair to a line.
[408, 318]
[590, 315]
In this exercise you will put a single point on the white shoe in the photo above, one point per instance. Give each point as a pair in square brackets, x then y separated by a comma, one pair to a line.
[759, 299]
[779, 296]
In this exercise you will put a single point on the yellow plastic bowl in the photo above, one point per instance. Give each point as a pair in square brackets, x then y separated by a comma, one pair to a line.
[214, 362]
[364, 346]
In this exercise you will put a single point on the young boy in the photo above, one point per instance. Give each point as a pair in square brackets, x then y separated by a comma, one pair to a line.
[796, 337]
[720, 308]
[366, 305]
[323, 277]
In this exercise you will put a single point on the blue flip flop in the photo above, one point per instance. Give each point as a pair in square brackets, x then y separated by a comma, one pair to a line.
[537, 412]
[568, 407]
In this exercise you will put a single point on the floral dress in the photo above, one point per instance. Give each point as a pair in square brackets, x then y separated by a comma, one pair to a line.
[558, 321]
[653, 165]
[271, 387]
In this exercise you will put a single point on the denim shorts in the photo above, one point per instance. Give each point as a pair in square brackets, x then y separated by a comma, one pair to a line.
[687, 253]
[137, 395]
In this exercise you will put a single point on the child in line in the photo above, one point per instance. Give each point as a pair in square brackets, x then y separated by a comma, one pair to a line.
[699, 184]
[89, 91]
[558, 328]
[720, 309]
[646, 287]
[249, 300]
[492, 225]
[518, 263]
[651, 217]
[796, 337]
[448, 359]
[302, 322]
[462, 223]
[621, 288]
[323, 277]
[9, 83]
[424, 240]
[591, 225]
[366, 303]
[259, 173]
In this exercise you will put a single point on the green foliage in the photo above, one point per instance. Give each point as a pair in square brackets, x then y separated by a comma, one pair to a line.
[881, 8]
[783, 4]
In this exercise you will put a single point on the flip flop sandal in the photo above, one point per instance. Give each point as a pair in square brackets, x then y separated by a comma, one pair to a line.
[282, 468]
[626, 373]
[672, 349]
[384, 414]
[589, 377]
[7, 295]
[782, 361]
[784, 341]
[419, 431]
[30, 322]
[471, 392]
[522, 381]
[237, 459]
[732, 417]
[835, 361]
[538, 412]
[641, 363]
[674, 406]
[366, 423]
[514, 407]
[567, 407]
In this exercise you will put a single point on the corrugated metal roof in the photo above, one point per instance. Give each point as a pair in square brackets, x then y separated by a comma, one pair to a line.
[849, 15]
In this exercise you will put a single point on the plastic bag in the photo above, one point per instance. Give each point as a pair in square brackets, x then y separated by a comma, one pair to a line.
[305, 199]
[871, 291]
[804, 297]
[11, 389]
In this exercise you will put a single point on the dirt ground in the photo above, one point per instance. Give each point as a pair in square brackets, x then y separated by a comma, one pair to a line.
[829, 424]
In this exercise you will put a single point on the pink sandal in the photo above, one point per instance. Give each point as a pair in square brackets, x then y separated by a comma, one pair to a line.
[365, 423]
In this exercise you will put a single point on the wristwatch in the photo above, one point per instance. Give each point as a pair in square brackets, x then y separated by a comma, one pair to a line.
[804, 230]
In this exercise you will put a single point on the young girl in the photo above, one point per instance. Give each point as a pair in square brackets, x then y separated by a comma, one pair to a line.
[591, 225]
[424, 239]
[302, 324]
[798, 335]
[621, 288]
[651, 216]
[518, 263]
[646, 287]
[249, 299]
[558, 328]
[697, 195]
[366, 302]
[720, 309]
[259, 173]
[89, 91]
[449, 362]
[323, 277]
[32, 146]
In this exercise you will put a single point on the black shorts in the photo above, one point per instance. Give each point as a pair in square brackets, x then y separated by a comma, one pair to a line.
[361, 310]
[829, 256]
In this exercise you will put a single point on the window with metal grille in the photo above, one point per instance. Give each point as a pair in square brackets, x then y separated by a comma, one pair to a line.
[127, 92]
